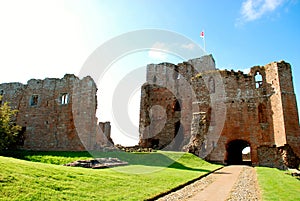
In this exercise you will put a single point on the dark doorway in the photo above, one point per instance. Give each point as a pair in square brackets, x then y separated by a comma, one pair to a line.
[235, 153]
[178, 136]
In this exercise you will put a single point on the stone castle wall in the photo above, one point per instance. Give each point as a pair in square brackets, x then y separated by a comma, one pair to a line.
[57, 114]
[167, 103]
[255, 109]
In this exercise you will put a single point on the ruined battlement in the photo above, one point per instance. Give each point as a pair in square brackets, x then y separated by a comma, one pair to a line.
[168, 73]
[57, 114]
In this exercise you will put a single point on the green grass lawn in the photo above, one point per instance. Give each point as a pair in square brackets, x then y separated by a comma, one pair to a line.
[147, 176]
[276, 185]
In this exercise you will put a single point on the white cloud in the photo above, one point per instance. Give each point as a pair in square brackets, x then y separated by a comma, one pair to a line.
[189, 46]
[158, 51]
[254, 9]
[157, 55]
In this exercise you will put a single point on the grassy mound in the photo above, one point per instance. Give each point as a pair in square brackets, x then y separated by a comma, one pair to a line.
[147, 176]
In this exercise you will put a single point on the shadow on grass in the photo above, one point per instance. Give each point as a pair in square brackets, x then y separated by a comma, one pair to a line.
[146, 159]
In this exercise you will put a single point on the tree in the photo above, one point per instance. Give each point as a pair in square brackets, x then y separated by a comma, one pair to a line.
[9, 130]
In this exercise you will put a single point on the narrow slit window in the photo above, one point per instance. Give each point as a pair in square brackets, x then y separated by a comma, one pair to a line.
[154, 79]
[177, 106]
[64, 99]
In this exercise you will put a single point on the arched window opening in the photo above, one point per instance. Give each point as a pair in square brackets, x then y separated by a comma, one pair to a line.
[258, 80]
[262, 117]
[211, 85]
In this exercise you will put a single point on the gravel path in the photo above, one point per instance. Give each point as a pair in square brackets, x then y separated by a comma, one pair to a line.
[189, 191]
[245, 188]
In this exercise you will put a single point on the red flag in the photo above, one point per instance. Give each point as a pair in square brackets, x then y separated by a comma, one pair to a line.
[202, 34]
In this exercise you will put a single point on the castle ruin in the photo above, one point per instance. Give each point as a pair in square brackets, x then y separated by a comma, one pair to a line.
[57, 114]
[215, 114]
[191, 106]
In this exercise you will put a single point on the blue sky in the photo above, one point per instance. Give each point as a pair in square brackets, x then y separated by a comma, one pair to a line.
[41, 39]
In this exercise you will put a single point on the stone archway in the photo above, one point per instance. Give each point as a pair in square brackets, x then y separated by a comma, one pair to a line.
[234, 152]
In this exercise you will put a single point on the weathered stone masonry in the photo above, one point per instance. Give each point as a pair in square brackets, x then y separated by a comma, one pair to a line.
[217, 113]
[57, 114]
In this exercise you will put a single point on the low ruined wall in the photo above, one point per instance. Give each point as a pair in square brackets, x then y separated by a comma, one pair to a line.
[279, 157]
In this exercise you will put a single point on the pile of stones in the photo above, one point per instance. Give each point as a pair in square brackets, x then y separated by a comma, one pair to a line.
[295, 173]
[98, 163]
[133, 148]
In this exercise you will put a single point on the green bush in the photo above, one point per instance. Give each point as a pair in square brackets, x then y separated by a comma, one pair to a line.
[9, 131]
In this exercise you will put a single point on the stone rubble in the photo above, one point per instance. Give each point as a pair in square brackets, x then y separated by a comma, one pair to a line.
[133, 148]
[98, 163]
[294, 172]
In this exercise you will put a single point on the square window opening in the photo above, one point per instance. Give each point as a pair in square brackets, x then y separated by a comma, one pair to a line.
[34, 99]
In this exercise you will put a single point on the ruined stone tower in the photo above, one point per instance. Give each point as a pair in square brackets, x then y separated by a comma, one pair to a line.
[57, 114]
[217, 113]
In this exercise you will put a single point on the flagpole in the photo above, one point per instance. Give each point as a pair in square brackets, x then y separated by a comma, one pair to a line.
[202, 35]
[204, 44]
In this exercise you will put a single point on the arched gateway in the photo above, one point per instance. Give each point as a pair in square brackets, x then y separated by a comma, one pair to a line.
[234, 152]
